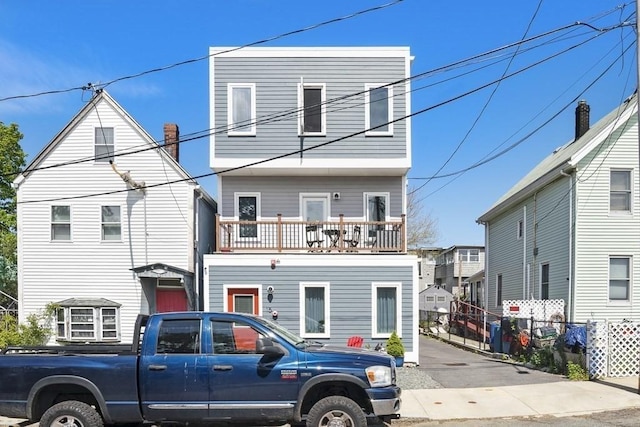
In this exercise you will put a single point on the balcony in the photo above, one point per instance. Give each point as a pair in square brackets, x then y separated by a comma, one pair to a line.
[295, 236]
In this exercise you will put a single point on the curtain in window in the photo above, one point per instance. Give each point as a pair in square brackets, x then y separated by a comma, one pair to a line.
[386, 310]
[243, 304]
[314, 310]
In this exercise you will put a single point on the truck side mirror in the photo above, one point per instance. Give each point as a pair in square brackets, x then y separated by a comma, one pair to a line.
[265, 346]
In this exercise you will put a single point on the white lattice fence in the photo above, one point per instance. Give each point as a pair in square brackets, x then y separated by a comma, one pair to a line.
[546, 310]
[613, 349]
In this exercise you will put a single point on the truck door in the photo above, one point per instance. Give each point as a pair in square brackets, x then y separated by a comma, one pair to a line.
[174, 380]
[245, 384]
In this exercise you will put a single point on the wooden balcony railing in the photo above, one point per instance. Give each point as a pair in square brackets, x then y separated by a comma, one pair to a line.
[280, 235]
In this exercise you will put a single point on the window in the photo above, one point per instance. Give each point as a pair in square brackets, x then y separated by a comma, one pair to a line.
[499, 290]
[243, 303]
[247, 208]
[469, 255]
[233, 337]
[75, 321]
[376, 208]
[420, 269]
[620, 191]
[386, 310]
[544, 281]
[104, 145]
[241, 109]
[430, 298]
[520, 229]
[60, 223]
[111, 228]
[378, 103]
[619, 278]
[179, 336]
[312, 120]
[314, 316]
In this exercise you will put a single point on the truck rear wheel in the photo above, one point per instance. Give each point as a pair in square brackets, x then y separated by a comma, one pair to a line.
[71, 413]
[336, 411]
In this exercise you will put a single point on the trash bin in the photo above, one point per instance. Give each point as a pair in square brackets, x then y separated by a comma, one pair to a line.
[494, 336]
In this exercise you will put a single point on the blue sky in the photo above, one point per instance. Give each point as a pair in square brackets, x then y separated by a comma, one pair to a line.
[46, 45]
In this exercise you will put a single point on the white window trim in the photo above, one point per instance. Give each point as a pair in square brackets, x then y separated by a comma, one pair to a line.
[242, 131]
[301, 87]
[303, 196]
[102, 223]
[367, 116]
[631, 196]
[61, 223]
[540, 266]
[619, 302]
[98, 331]
[327, 311]
[225, 294]
[95, 142]
[374, 308]
[386, 195]
[236, 212]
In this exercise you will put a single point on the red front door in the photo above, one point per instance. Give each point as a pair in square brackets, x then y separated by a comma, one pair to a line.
[168, 299]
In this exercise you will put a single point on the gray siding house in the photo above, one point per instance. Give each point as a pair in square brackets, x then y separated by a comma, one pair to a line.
[569, 229]
[455, 265]
[312, 150]
[103, 238]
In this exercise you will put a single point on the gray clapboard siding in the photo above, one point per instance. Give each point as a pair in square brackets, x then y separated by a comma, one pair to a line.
[350, 290]
[281, 195]
[277, 82]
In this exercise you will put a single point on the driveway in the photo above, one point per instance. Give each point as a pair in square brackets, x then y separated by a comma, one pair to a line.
[453, 367]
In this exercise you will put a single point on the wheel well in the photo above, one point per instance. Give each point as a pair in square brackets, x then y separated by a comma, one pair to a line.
[56, 393]
[336, 388]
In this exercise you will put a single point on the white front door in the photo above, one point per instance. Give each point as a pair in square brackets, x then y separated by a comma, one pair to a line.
[315, 208]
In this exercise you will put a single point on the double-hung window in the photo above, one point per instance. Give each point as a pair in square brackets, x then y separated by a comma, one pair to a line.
[241, 109]
[378, 105]
[544, 281]
[619, 278]
[103, 144]
[60, 222]
[111, 227]
[620, 191]
[386, 303]
[314, 316]
[312, 119]
[247, 209]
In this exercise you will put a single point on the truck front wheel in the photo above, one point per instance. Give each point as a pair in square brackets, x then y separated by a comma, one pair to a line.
[71, 413]
[336, 411]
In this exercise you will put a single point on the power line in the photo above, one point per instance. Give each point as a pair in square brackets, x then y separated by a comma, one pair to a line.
[258, 162]
[193, 60]
[283, 115]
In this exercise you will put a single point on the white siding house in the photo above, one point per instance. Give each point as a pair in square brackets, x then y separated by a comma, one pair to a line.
[98, 233]
[570, 229]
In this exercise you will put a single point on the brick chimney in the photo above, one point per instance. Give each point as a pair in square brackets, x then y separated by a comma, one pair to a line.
[582, 118]
[171, 140]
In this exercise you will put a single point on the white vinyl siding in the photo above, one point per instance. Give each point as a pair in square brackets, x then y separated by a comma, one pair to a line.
[378, 105]
[241, 109]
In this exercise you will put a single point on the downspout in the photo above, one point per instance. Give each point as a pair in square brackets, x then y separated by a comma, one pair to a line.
[570, 278]
[524, 252]
[535, 243]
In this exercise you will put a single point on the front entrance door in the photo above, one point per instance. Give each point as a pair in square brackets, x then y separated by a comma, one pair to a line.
[171, 299]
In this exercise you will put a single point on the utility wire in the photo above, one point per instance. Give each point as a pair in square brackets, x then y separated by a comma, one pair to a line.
[258, 162]
[191, 61]
[279, 116]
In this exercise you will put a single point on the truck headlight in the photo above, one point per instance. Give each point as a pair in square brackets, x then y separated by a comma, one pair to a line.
[379, 376]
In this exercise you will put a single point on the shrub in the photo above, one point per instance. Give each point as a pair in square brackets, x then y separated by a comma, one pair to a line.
[394, 346]
[35, 331]
[575, 372]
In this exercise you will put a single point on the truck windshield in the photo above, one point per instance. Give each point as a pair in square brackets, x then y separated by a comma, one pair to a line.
[286, 334]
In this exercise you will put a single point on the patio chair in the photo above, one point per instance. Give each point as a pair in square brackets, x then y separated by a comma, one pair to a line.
[355, 341]
[314, 241]
[354, 241]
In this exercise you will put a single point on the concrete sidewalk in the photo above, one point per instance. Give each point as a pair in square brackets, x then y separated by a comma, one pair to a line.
[565, 398]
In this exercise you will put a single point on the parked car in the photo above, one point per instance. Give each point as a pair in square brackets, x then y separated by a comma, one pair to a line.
[196, 366]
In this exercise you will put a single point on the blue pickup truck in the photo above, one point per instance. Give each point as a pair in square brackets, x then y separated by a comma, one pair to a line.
[197, 367]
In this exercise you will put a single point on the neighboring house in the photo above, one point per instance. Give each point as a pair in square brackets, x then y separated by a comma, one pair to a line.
[435, 298]
[312, 150]
[569, 229]
[455, 265]
[426, 265]
[98, 233]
